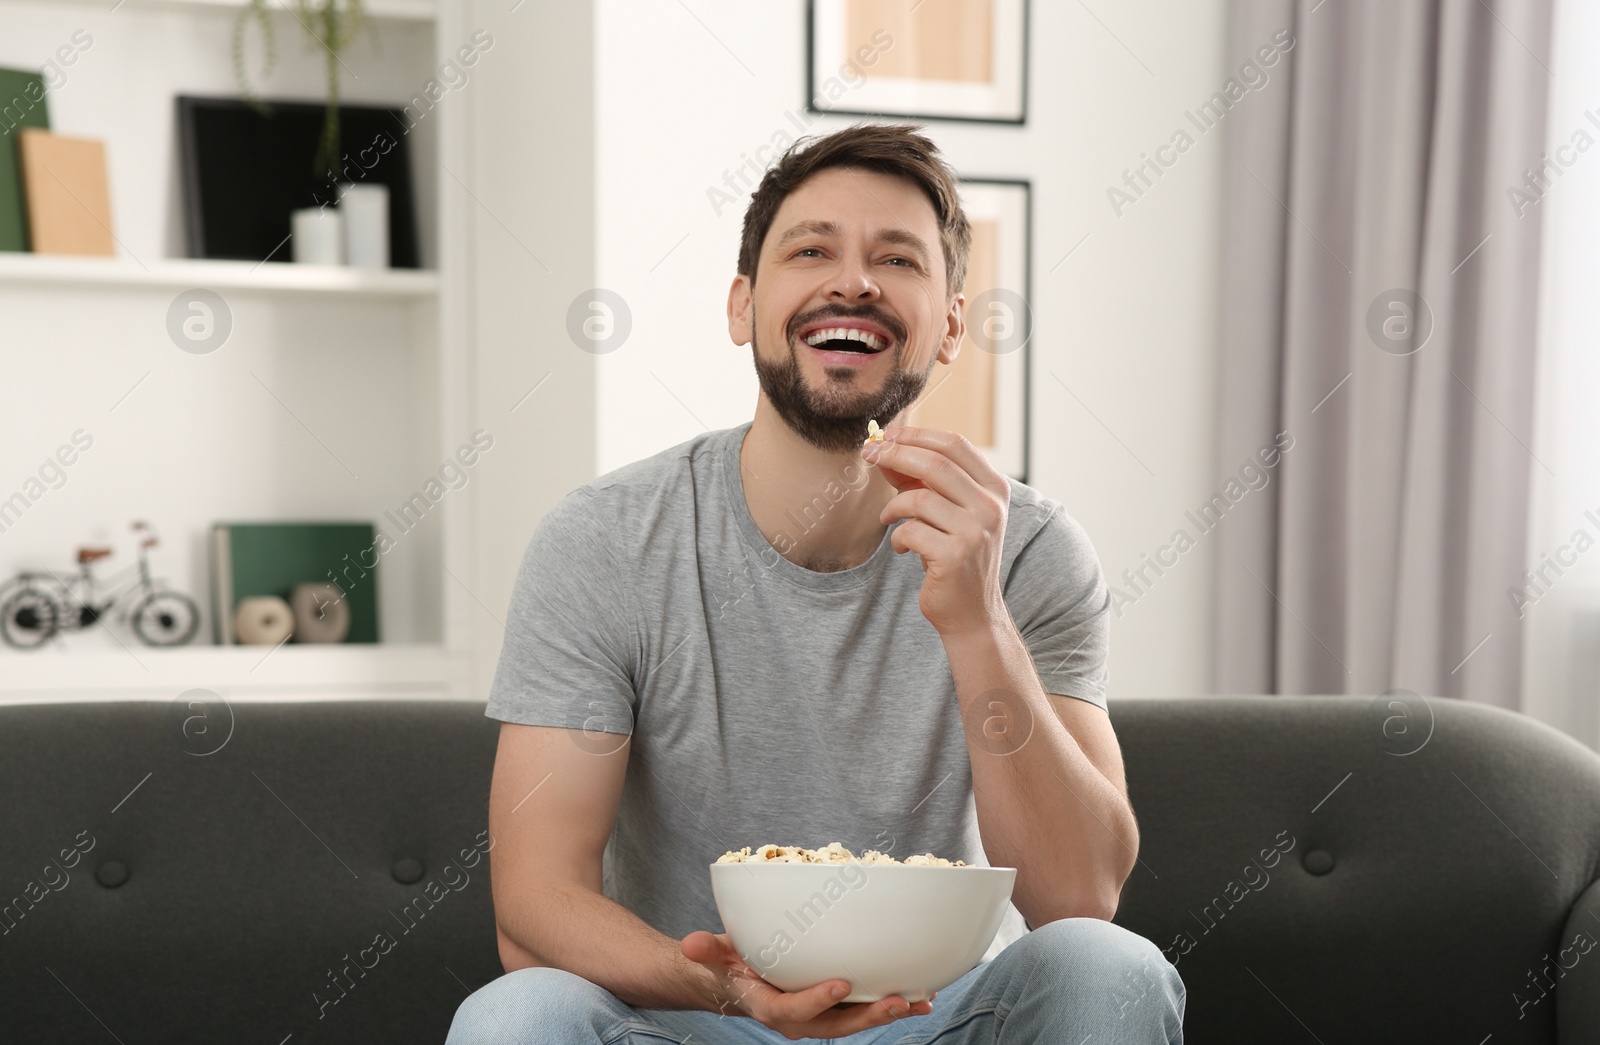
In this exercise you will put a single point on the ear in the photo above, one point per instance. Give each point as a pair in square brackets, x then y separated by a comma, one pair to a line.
[955, 329]
[740, 304]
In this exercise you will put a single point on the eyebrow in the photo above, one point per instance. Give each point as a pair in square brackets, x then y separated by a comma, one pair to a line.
[899, 237]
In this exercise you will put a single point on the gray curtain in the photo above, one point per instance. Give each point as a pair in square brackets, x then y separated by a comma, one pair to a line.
[1380, 287]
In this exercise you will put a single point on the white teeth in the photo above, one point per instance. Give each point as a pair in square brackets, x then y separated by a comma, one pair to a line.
[866, 337]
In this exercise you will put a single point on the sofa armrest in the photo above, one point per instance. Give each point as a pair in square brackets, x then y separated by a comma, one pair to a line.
[1578, 992]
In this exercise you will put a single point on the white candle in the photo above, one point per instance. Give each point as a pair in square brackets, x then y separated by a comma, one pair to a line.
[366, 225]
[318, 236]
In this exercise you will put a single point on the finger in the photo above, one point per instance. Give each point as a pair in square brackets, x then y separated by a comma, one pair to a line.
[900, 480]
[896, 1007]
[927, 505]
[917, 536]
[958, 448]
[936, 471]
[855, 1018]
[754, 993]
[705, 948]
[805, 1006]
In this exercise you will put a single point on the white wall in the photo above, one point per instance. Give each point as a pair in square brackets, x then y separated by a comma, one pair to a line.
[1128, 322]
[530, 196]
[1561, 672]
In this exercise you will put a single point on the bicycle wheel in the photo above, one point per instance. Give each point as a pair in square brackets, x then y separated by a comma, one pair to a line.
[29, 617]
[165, 618]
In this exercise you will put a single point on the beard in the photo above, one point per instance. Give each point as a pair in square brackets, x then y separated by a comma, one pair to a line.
[834, 418]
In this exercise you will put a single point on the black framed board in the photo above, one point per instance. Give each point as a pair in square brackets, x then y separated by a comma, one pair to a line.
[245, 171]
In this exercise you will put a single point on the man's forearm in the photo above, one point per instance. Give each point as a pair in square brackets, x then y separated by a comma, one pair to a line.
[1043, 807]
[593, 936]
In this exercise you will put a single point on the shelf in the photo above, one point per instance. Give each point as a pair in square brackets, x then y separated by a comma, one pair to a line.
[371, 360]
[145, 673]
[400, 10]
[184, 273]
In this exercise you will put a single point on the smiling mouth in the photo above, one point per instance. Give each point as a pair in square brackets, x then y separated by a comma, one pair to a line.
[846, 339]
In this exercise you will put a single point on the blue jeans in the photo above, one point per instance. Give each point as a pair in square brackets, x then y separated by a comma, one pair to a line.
[1071, 981]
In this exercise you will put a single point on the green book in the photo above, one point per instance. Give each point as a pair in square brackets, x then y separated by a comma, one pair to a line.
[249, 559]
[22, 104]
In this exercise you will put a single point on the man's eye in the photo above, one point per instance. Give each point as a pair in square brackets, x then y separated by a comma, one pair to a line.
[803, 251]
[907, 262]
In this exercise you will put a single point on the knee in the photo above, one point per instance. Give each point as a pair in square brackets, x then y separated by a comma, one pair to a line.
[534, 1004]
[1088, 941]
[1087, 958]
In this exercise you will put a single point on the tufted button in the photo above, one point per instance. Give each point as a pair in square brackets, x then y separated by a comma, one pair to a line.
[1317, 861]
[407, 871]
[111, 873]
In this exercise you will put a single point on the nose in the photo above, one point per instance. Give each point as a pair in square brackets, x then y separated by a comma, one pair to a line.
[852, 280]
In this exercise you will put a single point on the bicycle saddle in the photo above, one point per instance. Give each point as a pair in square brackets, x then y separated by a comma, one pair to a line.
[91, 554]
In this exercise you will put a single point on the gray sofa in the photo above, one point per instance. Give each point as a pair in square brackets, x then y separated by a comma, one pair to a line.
[1322, 870]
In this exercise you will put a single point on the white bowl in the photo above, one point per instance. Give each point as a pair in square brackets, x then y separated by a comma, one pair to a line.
[886, 928]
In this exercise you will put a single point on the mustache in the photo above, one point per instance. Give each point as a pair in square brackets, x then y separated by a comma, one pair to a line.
[872, 313]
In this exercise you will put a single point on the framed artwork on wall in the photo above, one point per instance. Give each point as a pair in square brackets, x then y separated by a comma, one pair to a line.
[921, 59]
[984, 393]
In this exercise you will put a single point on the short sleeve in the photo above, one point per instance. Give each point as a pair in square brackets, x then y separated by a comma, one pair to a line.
[1058, 598]
[569, 645]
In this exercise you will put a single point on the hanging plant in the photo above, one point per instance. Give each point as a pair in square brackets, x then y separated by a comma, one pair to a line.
[253, 10]
[331, 24]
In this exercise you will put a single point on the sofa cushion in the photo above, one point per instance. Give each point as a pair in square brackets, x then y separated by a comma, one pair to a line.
[312, 869]
[1335, 869]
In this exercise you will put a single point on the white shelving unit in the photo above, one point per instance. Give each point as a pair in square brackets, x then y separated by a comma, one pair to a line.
[183, 273]
[338, 395]
[142, 673]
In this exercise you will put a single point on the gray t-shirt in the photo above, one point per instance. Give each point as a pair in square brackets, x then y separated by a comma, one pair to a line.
[767, 702]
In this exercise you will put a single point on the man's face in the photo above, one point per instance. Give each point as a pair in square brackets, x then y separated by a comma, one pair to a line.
[849, 311]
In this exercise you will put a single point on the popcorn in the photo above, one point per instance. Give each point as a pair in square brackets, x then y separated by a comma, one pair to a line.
[832, 853]
[874, 433]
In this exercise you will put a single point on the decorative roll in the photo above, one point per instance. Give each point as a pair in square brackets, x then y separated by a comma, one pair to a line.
[263, 620]
[320, 613]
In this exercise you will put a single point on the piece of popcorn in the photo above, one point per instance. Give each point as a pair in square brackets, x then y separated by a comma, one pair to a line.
[929, 860]
[874, 433]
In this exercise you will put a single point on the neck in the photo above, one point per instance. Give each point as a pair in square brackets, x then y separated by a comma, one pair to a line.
[818, 509]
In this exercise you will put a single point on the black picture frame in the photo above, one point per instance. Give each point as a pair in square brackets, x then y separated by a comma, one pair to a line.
[813, 88]
[245, 171]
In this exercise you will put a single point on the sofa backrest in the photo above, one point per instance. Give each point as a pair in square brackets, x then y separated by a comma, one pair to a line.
[1364, 869]
[1320, 869]
[175, 873]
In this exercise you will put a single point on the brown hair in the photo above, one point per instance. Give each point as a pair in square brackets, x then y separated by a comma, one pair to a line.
[887, 148]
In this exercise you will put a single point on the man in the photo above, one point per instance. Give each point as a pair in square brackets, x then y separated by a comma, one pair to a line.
[728, 644]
